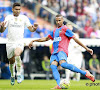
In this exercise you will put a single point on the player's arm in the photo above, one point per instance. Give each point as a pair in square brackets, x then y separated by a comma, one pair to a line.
[33, 28]
[2, 27]
[39, 40]
[81, 44]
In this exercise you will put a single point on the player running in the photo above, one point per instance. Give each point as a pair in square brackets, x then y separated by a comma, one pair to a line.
[15, 44]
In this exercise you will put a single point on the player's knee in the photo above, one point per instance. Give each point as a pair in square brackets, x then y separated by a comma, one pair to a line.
[53, 66]
[63, 64]
[17, 54]
[62, 61]
[54, 63]
[12, 61]
[17, 58]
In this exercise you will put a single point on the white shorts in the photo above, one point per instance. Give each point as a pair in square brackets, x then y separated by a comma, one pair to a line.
[10, 48]
[75, 59]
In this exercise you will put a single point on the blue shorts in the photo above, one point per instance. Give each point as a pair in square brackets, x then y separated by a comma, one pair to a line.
[58, 56]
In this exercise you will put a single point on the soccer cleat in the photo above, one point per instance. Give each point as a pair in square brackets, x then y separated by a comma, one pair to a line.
[90, 76]
[19, 80]
[12, 81]
[56, 87]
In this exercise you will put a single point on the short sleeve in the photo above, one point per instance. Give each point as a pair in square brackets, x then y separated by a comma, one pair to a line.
[6, 20]
[69, 33]
[51, 35]
[27, 22]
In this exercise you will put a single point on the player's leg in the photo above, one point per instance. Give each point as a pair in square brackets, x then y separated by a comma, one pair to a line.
[18, 61]
[67, 74]
[78, 63]
[10, 56]
[55, 72]
[12, 69]
[78, 76]
[62, 60]
[12, 66]
[56, 75]
[73, 68]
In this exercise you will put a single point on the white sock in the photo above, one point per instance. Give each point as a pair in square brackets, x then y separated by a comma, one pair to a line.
[78, 76]
[12, 69]
[18, 64]
[67, 74]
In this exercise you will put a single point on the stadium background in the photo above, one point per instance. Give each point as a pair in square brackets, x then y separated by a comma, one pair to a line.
[77, 11]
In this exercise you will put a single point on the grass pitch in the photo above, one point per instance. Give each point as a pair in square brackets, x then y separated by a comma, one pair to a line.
[48, 84]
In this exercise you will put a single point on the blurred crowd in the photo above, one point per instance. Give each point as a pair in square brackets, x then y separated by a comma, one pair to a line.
[84, 13]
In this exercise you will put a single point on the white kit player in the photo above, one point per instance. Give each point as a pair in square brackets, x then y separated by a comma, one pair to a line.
[75, 57]
[15, 44]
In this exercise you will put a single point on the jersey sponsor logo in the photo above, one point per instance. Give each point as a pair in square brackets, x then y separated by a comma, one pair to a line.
[15, 25]
[56, 39]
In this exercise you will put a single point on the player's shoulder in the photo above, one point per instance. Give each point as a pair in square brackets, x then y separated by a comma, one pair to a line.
[65, 28]
[23, 16]
[9, 16]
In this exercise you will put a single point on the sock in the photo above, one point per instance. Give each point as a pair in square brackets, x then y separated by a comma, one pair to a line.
[77, 76]
[56, 74]
[18, 64]
[67, 74]
[12, 69]
[72, 68]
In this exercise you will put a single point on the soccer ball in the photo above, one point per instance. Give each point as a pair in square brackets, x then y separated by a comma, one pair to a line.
[64, 84]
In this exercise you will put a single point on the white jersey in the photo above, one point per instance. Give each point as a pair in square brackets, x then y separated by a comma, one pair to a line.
[75, 56]
[16, 27]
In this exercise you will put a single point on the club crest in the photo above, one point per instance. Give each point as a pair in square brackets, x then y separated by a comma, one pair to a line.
[60, 31]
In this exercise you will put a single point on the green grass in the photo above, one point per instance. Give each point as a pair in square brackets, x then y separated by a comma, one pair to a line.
[47, 84]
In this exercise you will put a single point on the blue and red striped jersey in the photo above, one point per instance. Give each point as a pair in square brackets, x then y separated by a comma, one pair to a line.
[61, 38]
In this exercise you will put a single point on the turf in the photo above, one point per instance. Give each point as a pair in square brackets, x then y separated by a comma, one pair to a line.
[47, 84]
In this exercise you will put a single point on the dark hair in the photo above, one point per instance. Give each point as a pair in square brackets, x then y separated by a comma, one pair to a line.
[59, 15]
[16, 4]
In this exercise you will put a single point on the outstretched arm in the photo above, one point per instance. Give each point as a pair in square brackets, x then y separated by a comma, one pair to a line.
[33, 28]
[39, 40]
[2, 26]
[81, 44]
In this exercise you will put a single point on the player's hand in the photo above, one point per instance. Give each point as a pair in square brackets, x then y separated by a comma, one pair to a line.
[30, 44]
[2, 24]
[35, 26]
[90, 51]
